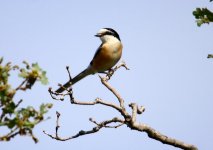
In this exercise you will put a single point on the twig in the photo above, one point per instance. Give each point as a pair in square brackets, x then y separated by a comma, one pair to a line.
[10, 135]
[67, 67]
[53, 94]
[110, 73]
[122, 64]
[108, 122]
[19, 102]
[20, 86]
[83, 132]
[57, 124]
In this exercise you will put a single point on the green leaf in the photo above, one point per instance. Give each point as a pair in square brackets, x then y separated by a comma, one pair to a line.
[12, 123]
[9, 108]
[44, 108]
[36, 67]
[28, 124]
[44, 79]
[27, 112]
[23, 73]
[199, 23]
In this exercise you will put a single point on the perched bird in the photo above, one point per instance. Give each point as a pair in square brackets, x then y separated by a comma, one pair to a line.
[106, 56]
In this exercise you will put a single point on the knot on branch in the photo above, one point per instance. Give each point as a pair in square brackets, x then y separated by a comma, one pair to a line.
[82, 132]
[139, 109]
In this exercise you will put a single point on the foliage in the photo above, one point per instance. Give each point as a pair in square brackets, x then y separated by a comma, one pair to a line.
[20, 121]
[210, 56]
[203, 15]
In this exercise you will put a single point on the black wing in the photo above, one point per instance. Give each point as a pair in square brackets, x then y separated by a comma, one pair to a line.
[96, 53]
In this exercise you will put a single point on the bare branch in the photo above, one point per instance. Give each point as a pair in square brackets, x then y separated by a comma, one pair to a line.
[152, 133]
[122, 64]
[20, 86]
[111, 72]
[134, 112]
[104, 123]
[19, 102]
[69, 73]
[57, 123]
[9, 135]
[120, 99]
[129, 120]
[61, 95]
[83, 132]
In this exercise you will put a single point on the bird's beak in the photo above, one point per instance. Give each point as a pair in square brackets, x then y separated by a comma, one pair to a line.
[98, 35]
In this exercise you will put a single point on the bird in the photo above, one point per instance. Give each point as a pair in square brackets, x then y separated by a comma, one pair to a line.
[106, 56]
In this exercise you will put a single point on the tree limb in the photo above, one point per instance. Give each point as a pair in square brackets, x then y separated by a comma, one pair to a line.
[130, 120]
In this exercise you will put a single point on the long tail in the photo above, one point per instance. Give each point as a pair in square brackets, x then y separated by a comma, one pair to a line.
[77, 78]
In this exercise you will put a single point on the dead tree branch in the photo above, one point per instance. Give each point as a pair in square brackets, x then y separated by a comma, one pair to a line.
[129, 119]
[84, 132]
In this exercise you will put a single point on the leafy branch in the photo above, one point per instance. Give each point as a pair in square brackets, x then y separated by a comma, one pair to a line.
[203, 16]
[20, 121]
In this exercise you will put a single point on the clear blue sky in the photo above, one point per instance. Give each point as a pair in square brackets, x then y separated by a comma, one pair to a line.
[165, 50]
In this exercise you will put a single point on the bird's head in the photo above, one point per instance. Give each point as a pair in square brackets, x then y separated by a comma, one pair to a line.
[107, 34]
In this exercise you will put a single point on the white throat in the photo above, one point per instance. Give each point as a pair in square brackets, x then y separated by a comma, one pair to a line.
[109, 38]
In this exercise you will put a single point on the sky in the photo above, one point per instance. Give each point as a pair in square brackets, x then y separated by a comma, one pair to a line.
[166, 52]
